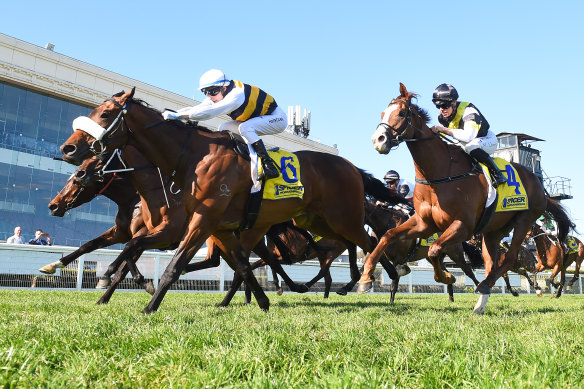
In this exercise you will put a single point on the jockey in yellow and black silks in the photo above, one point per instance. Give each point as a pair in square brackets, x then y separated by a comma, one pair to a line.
[254, 113]
[464, 122]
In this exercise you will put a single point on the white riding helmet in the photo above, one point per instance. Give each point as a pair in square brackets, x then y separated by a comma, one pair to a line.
[213, 77]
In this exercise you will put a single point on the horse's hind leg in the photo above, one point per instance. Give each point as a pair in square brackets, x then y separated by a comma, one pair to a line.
[508, 284]
[394, 287]
[576, 274]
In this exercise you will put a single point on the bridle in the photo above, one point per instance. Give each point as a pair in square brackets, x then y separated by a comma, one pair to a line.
[106, 138]
[396, 140]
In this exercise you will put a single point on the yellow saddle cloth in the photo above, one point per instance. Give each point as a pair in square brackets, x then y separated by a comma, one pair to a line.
[287, 185]
[572, 245]
[428, 241]
[512, 195]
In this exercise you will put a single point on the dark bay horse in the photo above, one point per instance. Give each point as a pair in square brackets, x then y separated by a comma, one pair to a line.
[400, 252]
[82, 187]
[451, 196]
[216, 183]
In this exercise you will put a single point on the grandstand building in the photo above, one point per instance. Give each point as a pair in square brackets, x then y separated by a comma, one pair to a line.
[41, 92]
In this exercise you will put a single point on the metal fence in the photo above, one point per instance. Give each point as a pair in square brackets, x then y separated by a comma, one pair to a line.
[19, 266]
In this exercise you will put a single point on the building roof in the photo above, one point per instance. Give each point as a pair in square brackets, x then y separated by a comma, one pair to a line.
[521, 137]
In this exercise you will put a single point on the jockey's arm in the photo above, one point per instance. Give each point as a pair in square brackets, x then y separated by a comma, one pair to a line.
[467, 133]
[208, 109]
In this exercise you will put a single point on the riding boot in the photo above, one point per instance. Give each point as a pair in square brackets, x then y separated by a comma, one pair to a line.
[269, 166]
[496, 176]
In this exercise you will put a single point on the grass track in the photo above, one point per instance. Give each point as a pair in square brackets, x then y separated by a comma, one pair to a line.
[61, 339]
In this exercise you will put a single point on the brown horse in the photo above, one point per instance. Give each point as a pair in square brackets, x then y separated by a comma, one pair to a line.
[451, 196]
[575, 257]
[400, 252]
[82, 187]
[524, 265]
[216, 183]
[550, 255]
[159, 205]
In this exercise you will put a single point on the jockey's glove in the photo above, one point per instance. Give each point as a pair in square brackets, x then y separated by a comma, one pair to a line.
[169, 115]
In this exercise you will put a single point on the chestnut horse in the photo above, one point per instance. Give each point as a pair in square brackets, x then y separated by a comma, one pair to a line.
[524, 265]
[551, 254]
[451, 196]
[216, 183]
[575, 257]
[400, 252]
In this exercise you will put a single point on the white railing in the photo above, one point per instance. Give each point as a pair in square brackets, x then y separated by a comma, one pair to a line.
[19, 266]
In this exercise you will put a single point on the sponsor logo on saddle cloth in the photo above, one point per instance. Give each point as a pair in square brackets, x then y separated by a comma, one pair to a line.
[287, 185]
[572, 245]
[512, 195]
[428, 241]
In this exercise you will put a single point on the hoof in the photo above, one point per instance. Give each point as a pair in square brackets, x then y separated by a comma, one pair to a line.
[150, 288]
[365, 287]
[279, 292]
[568, 288]
[103, 283]
[539, 293]
[342, 292]
[515, 294]
[403, 270]
[479, 308]
[301, 289]
[51, 268]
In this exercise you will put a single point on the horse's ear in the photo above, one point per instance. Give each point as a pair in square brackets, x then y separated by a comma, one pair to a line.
[128, 96]
[403, 91]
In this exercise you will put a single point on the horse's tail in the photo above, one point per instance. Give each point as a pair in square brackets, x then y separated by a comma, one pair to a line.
[561, 217]
[377, 190]
[474, 255]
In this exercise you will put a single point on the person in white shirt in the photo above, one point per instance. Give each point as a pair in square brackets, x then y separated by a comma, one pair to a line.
[254, 113]
[17, 238]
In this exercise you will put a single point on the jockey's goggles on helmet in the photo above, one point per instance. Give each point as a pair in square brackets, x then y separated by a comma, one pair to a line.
[212, 91]
[442, 104]
[391, 182]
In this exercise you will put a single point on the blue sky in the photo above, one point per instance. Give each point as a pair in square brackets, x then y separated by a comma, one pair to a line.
[520, 63]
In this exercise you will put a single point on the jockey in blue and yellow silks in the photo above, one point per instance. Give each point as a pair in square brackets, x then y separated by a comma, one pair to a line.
[254, 113]
[465, 123]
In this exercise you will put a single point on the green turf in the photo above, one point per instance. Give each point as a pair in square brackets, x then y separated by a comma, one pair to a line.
[61, 339]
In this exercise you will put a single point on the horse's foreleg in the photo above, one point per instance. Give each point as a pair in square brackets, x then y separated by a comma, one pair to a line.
[262, 251]
[576, 273]
[108, 238]
[411, 229]
[118, 277]
[454, 234]
[394, 288]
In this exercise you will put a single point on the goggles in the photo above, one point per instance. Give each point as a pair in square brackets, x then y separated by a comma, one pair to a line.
[443, 104]
[212, 91]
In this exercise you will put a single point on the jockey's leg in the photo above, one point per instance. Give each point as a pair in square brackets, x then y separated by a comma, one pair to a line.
[263, 125]
[481, 156]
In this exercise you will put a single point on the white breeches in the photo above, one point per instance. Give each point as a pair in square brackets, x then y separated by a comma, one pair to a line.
[488, 143]
[250, 131]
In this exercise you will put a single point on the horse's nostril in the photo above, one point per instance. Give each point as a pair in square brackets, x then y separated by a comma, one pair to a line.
[53, 206]
[68, 149]
[80, 174]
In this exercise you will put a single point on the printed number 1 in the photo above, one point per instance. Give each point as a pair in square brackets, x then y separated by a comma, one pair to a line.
[511, 180]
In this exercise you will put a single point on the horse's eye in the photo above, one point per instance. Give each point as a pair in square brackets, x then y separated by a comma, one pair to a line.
[402, 114]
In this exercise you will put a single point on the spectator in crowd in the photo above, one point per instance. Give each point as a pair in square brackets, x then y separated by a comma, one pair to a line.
[38, 238]
[17, 238]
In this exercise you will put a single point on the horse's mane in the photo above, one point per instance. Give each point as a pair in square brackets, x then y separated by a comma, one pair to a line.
[177, 123]
[421, 112]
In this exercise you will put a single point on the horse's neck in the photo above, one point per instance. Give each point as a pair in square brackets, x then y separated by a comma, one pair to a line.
[121, 190]
[167, 145]
[434, 159]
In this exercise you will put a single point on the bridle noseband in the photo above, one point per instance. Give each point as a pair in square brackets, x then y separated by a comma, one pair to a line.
[106, 138]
